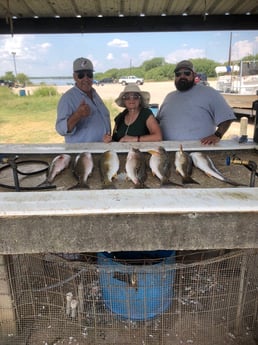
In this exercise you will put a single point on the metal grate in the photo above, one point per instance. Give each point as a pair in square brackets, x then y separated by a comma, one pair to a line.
[201, 298]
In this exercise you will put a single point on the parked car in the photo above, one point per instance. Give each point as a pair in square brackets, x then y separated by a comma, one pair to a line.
[201, 78]
[131, 79]
[106, 81]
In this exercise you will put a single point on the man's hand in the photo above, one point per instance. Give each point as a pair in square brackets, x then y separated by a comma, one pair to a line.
[83, 110]
[210, 140]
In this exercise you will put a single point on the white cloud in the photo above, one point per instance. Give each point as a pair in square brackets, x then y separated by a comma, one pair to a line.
[116, 42]
[27, 53]
[45, 46]
[146, 55]
[181, 54]
[243, 48]
[110, 56]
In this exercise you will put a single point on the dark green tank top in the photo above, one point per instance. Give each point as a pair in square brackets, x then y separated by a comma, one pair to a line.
[137, 128]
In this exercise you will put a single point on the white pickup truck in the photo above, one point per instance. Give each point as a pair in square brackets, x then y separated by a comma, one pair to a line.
[131, 79]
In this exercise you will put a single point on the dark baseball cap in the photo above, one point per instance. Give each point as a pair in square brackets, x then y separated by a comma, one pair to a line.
[184, 64]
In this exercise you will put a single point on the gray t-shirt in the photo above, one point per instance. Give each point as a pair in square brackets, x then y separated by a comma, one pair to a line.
[89, 129]
[193, 114]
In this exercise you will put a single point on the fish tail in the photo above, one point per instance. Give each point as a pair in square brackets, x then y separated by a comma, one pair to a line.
[140, 186]
[167, 183]
[85, 185]
[189, 180]
[108, 185]
[234, 183]
[75, 186]
[79, 185]
[45, 183]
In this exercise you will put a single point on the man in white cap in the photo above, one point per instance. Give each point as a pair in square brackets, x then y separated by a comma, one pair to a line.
[81, 114]
[193, 111]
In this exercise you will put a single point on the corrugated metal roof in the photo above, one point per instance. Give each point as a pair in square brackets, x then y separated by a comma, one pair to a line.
[32, 16]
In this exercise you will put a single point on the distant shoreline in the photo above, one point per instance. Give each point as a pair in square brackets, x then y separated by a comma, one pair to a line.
[158, 91]
[61, 89]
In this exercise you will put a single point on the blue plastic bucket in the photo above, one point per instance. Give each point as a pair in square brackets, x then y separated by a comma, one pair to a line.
[133, 289]
[22, 92]
[154, 108]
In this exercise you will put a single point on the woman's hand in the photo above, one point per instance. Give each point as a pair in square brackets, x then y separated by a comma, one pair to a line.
[128, 138]
[107, 138]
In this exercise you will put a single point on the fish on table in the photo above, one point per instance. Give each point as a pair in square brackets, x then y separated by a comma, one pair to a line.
[205, 163]
[184, 166]
[109, 166]
[160, 166]
[135, 167]
[82, 169]
[58, 164]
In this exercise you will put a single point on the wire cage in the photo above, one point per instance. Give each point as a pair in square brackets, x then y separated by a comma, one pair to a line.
[207, 297]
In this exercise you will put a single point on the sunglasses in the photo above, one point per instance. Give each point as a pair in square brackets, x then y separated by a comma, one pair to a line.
[86, 73]
[131, 96]
[186, 73]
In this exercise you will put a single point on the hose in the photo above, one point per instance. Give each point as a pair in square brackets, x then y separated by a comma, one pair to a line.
[15, 166]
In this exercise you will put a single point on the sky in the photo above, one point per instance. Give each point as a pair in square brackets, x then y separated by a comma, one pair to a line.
[53, 55]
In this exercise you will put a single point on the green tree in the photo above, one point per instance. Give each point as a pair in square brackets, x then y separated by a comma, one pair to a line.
[250, 58]
[22, 79]
[153, 63]
[165, 72]
[9, 76]
[205, 66]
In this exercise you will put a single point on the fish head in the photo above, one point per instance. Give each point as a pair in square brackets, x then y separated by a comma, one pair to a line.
[153, 152]
[161, 149]
[66, 159]
[132, 153]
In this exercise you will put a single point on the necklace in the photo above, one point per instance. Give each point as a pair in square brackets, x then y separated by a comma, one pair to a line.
[130, 122]
[127, 128]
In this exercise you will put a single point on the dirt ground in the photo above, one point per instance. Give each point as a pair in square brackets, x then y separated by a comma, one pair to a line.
[159, 90]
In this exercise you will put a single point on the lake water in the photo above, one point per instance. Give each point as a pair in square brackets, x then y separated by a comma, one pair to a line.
[52, 81]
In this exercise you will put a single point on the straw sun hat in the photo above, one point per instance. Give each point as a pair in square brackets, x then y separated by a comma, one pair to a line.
[133, 88]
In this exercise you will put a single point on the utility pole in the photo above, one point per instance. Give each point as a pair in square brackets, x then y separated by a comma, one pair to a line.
[14, 62]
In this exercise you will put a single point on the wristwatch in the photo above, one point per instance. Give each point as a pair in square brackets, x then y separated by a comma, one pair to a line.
[218, 134]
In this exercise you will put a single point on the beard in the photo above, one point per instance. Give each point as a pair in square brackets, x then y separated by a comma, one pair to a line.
[184, 84]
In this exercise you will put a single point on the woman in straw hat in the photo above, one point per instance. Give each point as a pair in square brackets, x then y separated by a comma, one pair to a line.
[136, 122]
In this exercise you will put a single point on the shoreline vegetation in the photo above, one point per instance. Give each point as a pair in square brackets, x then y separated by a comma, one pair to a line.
[30, 119]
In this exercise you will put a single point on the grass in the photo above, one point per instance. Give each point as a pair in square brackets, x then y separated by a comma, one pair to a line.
[31, 119]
